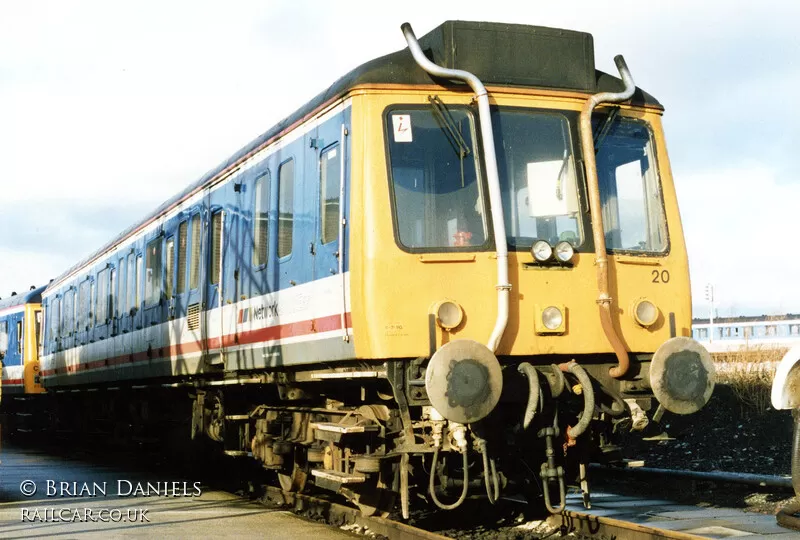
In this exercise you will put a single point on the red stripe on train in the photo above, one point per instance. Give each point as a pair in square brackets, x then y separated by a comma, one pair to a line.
[270, 333]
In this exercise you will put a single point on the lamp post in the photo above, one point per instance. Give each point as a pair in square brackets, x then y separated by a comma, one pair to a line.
[710, 298]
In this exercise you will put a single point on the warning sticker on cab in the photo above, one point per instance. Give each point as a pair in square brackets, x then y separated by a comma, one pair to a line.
[402, 127]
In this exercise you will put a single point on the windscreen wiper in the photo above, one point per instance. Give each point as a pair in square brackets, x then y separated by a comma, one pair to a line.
[449, 126]
[602, 130]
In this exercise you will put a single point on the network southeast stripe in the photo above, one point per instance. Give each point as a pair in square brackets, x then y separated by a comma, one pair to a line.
[280, 328]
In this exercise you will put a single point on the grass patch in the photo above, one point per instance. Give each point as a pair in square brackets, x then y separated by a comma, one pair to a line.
[749, 373]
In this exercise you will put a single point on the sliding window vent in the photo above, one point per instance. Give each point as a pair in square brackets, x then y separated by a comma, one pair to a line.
[193, 317]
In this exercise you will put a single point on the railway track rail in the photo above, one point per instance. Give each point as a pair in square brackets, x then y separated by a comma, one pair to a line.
[339, 514]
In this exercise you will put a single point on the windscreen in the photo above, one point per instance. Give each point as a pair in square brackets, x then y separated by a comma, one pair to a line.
[437, 194]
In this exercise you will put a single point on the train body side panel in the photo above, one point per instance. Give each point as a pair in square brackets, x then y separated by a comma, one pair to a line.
[234, 315]
[12, 349]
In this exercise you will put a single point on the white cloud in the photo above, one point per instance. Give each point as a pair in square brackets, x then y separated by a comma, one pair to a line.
[740, 224]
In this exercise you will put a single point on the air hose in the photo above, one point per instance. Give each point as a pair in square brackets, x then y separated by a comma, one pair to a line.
[533, 392]
[588, 398]
[495, 481]
[786, 516]
[432, 490]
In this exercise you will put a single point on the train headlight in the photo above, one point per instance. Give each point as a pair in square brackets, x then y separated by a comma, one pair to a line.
[542, 251]
[645, 313]
[564, 251]
[552, 318]
[448, 314]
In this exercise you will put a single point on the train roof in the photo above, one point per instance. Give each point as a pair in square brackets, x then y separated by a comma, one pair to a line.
[499, 54]
[29, 297]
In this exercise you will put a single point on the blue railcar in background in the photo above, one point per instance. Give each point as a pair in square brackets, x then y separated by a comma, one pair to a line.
[20, 332]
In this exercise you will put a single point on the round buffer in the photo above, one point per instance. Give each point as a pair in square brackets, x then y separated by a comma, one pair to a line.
[464, 381]
[682, 375]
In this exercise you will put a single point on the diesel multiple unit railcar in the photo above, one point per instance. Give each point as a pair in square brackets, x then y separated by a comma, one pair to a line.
[20, 329]
[467, 248]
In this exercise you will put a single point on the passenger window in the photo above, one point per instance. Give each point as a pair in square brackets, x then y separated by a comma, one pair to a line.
[83, 306]
[180, 287]
[67, 311]
[194, 269]
[55, 318]
[122, 299]
[112, 293]
[3, 338]
[92, 303]
[132, 302]
[169, 265]
[285, 208]
[329, 186]
[138, 281]
[101, 301]
[261, 220]
[216, 248]
[153, 274]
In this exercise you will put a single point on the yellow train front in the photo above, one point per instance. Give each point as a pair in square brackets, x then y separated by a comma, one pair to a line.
[564, 337]
[462, 263]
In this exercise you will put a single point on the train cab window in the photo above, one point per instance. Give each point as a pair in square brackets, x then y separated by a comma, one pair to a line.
[3, 338]
[153, 276]
[436, 191]
[180, 285]
[630, 191]
[169, 266]
[20, 338]
[261, 220]
[538, 184]
[194, 256]
[38, 325]
[216, 249]
[329, 187]
[285, 208]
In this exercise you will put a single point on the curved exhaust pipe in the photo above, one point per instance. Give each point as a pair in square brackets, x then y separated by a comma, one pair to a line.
[492, 177]
[595, 207]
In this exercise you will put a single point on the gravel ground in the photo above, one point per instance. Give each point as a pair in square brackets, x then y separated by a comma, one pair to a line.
[726, 435]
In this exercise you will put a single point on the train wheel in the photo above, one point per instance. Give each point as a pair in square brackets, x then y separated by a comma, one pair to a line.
[294, 475]
[377, 499]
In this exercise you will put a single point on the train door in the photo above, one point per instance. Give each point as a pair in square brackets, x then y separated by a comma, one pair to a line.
[190, 300]
[329, 190]
[215, 281]
[83, 319]
[127, 303]
[101, 305]
[153, 281]
[178, 289]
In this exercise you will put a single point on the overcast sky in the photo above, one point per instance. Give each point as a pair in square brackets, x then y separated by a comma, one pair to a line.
[109, 108]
